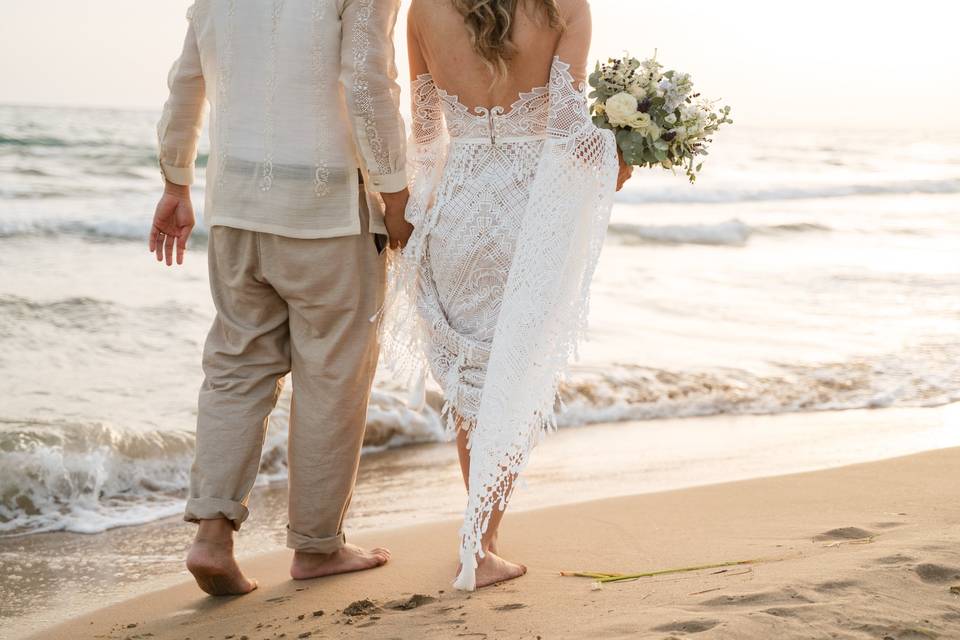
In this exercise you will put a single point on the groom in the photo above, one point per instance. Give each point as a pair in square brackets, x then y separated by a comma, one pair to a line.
[305, 187]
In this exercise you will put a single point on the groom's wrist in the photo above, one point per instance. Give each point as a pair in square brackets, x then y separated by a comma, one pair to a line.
[387, 183]
[177, 175]
[181, 191]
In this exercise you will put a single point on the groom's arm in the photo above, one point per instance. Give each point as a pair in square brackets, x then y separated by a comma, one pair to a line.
[369, 78]
[179, 137]
[182, 121]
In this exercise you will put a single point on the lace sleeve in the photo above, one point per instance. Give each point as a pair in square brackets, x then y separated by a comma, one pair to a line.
[403, 336]
[427, 147]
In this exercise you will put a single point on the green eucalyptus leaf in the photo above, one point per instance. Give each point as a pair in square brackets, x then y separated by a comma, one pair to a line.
[636, 137]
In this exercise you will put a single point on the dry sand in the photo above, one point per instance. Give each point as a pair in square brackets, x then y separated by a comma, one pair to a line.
[866, 551]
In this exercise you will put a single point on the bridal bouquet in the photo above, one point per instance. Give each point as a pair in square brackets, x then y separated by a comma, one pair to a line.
[658, 118]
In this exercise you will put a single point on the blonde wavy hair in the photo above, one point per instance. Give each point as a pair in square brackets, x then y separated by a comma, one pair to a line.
[491, 22]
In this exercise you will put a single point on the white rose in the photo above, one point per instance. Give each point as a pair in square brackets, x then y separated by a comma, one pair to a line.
[641, 122]
[621, 109]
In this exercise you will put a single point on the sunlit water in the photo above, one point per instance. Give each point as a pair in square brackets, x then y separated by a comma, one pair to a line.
[806, 271]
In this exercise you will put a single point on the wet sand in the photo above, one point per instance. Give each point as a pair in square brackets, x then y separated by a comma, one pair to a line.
[53, 577]
[864, 551]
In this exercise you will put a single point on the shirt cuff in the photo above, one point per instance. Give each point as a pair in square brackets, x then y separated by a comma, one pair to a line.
[391, 183]
[177, 175]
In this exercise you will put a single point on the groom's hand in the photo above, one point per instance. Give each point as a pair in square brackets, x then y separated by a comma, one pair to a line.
[397, 226]
[172, 224]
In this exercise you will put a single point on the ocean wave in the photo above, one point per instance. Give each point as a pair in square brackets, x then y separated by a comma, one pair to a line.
[46, 141]
[706, 195]
[109, 154]
[88, 478]
[75, 312]
[796, 227]
[929, 376]
[729, 233]
[120, 229]
[734, 233]
[91, 477]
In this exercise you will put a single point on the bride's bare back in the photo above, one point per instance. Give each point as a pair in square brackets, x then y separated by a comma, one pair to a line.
[440, 45]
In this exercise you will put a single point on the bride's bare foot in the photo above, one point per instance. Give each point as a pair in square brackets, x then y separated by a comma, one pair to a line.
[349, 558]
[493, 570]
[216, 570]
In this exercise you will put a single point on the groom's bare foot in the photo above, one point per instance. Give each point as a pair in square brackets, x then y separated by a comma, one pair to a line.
[347, 559]
[493, 570]
[212, 563]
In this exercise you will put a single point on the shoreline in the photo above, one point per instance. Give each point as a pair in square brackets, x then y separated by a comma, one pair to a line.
[869, 548]
[420, 484]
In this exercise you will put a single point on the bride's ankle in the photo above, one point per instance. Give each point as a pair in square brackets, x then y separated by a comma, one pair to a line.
[490, 545]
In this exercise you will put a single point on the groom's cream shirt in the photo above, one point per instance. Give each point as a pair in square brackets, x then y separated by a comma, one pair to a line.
[303, 93]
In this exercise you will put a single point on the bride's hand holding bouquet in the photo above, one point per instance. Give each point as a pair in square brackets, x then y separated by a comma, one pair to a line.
[658, 118]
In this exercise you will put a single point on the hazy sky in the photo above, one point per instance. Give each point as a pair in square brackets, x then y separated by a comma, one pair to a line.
[848, 62]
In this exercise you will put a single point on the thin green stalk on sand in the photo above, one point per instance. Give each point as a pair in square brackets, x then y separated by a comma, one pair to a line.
[623, 577]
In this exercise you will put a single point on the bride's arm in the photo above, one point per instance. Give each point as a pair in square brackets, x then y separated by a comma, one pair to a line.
[574, 45]
[427, 115]
[428, 135]
[574, 50]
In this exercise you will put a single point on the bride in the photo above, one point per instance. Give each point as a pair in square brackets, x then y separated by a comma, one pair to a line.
[512, 189]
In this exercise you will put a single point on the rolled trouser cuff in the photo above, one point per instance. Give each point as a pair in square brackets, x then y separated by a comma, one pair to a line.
[300, 542]
[214, 509]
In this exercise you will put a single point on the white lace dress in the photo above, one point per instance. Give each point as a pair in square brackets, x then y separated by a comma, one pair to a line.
[511, 209]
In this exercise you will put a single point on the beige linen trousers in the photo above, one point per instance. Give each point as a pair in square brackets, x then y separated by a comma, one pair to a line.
[287, 305]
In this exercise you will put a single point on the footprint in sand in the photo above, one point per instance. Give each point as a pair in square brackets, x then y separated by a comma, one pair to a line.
[835, 585]
[688, 626]
[787, 596]
[844, 533]
[898, 632]
[413, 602]
[937, 573]
[897, 558]
[787, 612]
